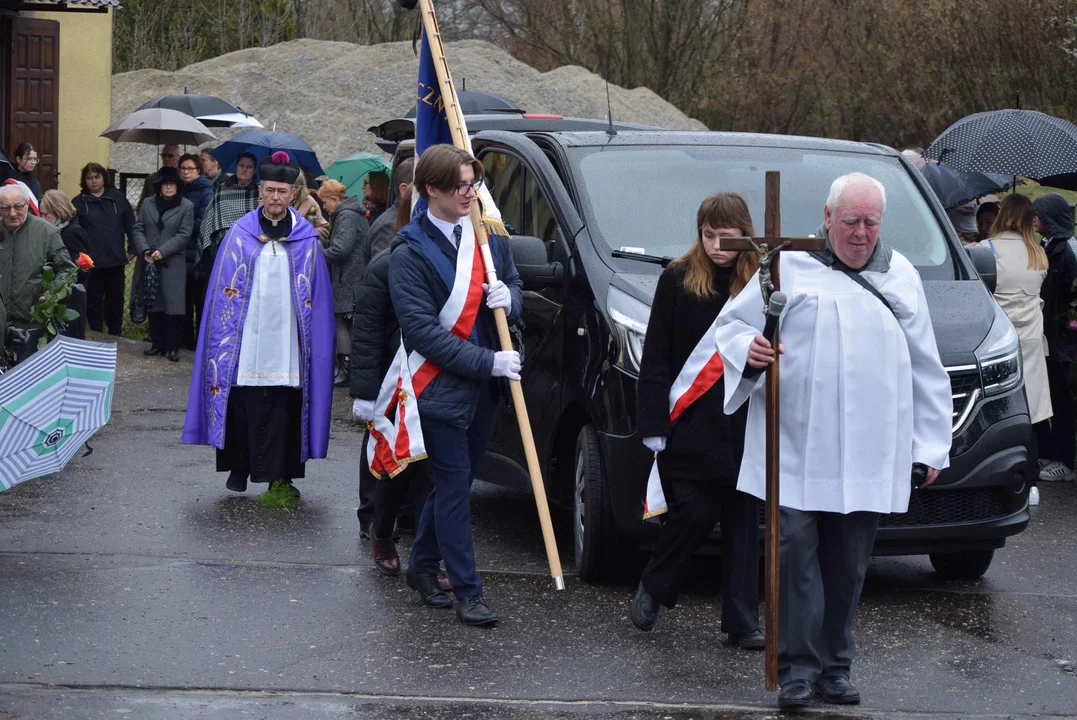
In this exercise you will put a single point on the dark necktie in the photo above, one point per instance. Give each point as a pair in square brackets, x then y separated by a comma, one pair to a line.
[457, 233]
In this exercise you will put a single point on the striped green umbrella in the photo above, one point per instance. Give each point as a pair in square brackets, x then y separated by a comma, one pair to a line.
[51, 404]
[353, 169]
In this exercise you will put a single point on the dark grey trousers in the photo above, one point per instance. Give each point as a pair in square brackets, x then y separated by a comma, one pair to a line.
[824, 557]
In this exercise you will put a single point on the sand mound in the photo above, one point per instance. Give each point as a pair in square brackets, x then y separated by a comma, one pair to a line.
[331, 92]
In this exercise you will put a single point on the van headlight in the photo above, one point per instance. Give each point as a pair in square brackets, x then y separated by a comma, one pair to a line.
[999, 356]
[628, 318]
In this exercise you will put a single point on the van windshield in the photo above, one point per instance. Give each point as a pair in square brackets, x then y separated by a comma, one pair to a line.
[644, 199]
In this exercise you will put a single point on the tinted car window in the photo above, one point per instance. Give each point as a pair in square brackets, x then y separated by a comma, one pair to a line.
[505, 177]
[647, 197]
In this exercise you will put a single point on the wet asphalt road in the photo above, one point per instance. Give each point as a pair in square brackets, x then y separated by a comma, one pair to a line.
[133, 585]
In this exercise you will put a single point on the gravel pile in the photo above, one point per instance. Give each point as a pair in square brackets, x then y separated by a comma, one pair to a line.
[331, 92]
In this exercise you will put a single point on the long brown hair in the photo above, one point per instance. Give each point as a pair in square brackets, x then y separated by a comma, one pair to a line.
[720, 210]
[403, 210]
[1016, 215]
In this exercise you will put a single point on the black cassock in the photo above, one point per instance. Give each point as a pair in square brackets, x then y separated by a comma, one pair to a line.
[263, 425]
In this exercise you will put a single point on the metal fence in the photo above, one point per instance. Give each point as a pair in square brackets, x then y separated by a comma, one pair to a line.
[130, 184]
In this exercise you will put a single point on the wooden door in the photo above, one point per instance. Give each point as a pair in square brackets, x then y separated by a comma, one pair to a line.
[34, 93]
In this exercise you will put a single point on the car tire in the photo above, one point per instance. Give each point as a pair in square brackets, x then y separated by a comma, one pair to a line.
[602, 552]
[962, 565]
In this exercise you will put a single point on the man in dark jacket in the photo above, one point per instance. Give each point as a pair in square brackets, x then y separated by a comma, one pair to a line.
[1054, 220]
[375, 340]
[107, 218]
[381, 231]
[457, 407]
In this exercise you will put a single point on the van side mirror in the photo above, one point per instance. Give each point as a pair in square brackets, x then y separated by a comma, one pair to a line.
[531, 257]
[984, 262]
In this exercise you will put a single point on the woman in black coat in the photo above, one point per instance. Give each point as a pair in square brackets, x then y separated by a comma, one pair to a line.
[58, 210]
[699, 454]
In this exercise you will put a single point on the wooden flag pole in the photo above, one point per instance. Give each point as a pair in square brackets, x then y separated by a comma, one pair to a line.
[461, 140]
[772, 228]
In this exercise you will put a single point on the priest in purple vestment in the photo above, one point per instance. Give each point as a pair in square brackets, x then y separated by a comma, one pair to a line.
[262, 387]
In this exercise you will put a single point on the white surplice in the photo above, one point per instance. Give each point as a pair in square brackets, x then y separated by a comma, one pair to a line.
[269, 350]
[863, 395]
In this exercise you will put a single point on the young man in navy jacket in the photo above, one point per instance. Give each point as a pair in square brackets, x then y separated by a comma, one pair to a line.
[458, 406]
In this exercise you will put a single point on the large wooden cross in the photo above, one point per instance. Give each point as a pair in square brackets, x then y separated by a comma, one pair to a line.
[770, 248]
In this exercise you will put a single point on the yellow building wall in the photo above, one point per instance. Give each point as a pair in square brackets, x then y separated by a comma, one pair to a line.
[85, 91]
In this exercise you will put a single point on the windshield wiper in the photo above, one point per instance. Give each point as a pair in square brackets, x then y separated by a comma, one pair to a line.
[643, 257]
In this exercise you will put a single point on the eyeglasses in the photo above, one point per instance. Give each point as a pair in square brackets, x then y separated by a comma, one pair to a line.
[188, 168]
[463, 187]
[17, 208]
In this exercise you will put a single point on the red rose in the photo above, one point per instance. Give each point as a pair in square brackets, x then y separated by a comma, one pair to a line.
[84, 261]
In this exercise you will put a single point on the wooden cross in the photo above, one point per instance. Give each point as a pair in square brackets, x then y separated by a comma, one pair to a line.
[770, 248]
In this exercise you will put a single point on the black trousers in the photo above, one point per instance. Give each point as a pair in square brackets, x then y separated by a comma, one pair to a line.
[1056, 440]
[824, 558]
[694, 508]
[194, 297]
[104, 299]
[165, 331]
[391, 495]
[263, 434]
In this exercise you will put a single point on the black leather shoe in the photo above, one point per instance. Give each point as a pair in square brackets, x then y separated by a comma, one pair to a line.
[796, 694]
[475, 612]
[426, 584]
[173, 355]
[644, 610]
[753, 640]
[152, 351]
[837, 690]
[236, 482]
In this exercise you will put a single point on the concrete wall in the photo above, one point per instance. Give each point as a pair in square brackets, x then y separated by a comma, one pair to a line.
[85, 91]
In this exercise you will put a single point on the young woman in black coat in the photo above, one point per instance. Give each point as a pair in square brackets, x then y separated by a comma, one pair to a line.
[699, 454]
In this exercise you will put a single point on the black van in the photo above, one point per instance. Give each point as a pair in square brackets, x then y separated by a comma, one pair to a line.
[599, 213]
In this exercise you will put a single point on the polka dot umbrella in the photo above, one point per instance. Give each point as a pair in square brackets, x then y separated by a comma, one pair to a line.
[1015, 142]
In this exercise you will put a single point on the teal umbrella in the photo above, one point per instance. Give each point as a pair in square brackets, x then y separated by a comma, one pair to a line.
[353, 169]
[51, 404]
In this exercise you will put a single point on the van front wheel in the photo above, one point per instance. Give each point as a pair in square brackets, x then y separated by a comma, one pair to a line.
[602, 553]
[962, 565]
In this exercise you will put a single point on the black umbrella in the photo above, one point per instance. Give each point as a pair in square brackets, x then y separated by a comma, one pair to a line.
[473, 103]
[212, 111]
[954, 187]
[1014, 142]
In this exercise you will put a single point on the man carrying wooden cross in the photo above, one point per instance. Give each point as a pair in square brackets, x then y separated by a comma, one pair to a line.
[864, 397]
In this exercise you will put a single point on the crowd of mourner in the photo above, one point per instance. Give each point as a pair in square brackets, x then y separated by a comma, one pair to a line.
[301, 287]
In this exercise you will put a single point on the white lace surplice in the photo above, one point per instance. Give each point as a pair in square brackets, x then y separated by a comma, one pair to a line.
[269, 350]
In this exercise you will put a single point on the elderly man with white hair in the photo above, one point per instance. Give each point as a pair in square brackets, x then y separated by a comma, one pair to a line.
[27, 243]
[865, 401]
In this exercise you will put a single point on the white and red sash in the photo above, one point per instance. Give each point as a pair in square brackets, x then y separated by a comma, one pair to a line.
[392, 445]
[701, 370]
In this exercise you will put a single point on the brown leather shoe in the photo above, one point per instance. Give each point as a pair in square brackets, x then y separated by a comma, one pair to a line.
[385, 556]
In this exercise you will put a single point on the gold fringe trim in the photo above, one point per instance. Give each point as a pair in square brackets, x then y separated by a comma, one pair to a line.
[655, 513]
[494, 226]
[402, 465]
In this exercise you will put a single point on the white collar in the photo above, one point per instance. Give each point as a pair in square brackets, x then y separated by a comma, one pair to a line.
[446, 228]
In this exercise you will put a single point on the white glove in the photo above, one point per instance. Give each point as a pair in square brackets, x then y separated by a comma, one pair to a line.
[655, 444]
[498, 296]
[363, 410]
[506, 364]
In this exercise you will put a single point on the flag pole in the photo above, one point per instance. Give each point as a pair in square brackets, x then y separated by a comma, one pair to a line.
[461, 140]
